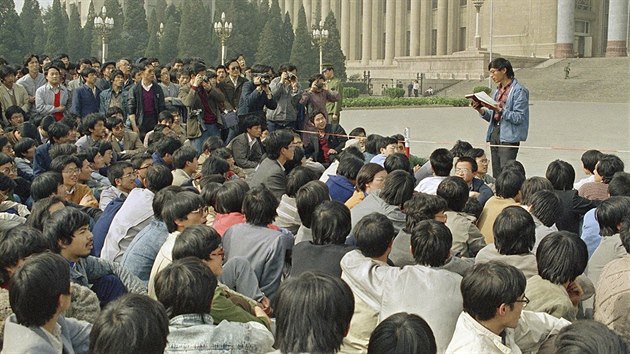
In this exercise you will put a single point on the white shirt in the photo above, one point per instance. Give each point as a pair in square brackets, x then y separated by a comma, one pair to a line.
[583, 181]
[429, 185]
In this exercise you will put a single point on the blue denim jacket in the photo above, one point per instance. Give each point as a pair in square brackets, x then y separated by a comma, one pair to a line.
[515, 117]
[195, 333]
[141, 253]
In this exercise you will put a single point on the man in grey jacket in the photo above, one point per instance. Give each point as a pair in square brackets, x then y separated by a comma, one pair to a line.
[287, 92]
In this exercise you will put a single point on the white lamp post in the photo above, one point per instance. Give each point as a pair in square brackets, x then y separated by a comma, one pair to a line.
[320, 37]
[103, 25]
[223, 29]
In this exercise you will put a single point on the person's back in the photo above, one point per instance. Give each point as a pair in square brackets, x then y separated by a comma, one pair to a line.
[508, 186]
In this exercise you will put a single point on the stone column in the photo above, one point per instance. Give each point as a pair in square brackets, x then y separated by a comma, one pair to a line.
[308, 9]
[281, 4]
[401, 29]
[414, 21]
[453, 26]
[325, 9]
[565, 29]
[442, 27]
[426, 27]
[345, 28]
[617, 29]
[367, 32]
[377, 29]
[390, 29]
[354, 30]
[288, 7]
[297, 4]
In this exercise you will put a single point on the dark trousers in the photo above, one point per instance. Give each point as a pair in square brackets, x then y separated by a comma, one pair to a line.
[501, 155]
[108, 288]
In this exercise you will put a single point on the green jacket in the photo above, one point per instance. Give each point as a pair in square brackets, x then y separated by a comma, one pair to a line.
[335, 107]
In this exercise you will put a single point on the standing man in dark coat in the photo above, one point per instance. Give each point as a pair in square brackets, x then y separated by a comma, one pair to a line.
[146, 101]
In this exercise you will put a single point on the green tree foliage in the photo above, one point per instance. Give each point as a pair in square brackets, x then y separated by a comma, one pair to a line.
[31, 23]
[270, 47]
[244, 38]
[333, 55]
[74, 34]
[194, 30]
[135, 29]
[56, 36]
[213, 50]
[168, 44]
[153, 47]
[91, 40]
[287, 38]
[115, 49]
[304, 54]
[11, 39]
[160, 11]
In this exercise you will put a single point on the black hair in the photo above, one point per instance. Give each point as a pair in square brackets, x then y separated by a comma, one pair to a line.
[331, 223]
[196, 241]
[509, 183]
[356, 131]
[115, 171]
[62, 225]
[473, 207]
[351, 151]
[66, 149]
[515, 166]
[561, 257]
[308, 197]
[90, 121]
[36, 286]
[165, 115]
[214, 165]
[40, 213]
[422, 207]
[619, 185]
[349, 167]
[298, 177]
[223, 153]
[45, 185]
[11, 110]
[178, 208]
[397, 161]
[370, 144]
[182, 155]
[6, 183]
[402, 333]
[158, 177]
[276, 141]
[545, 206]
[374, 234]
[489, 285]
[441, 162]
[60, 162]
[112, 121]
[397, 188]
[29, 57]
[514, 231]
[610, 213]
[607, 166]
[455, 191]
[23, 145]
[500, 64]
[383, 141]
[561, 175]
[18, 243]
[4, 158]
[460, 148]
[475, 153]
[133, 323]
[589, 337]
[366, 175]
[87, 71]
[186, 286]
[259, 206]
[229, 197]
[589, 159]
[431, 243]
[212, 143]
[313, 313]
[57, 131]
[6, 70]
[163, 196]
[29, 130]
[533, 185]
[251, 121]
[167, 145]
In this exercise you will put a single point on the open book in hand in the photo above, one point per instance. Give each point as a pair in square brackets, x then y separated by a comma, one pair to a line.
[484, 99]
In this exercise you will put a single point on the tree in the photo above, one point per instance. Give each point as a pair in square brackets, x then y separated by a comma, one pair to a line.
[115, 49]
[153, 47]
[75, 33]
[287, 38]
[91, 40]
[135, 34]
[11, 39]
[270, 47]
[160, 11]
[304, 55]
[56, 36]
[244, 38]
[168, 44]
[194, 30]
[333, 55]
[31, 22]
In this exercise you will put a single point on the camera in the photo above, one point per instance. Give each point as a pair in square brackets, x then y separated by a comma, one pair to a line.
[205, 78]
[292, 77]
[265, 79]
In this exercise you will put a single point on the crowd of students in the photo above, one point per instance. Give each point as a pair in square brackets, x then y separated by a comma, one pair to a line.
[128, 237]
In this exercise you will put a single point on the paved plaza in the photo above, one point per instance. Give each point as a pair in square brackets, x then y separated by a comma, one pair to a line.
[569, 128]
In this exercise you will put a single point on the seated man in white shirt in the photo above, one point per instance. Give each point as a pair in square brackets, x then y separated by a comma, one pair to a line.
[493, 320]
[442, 164]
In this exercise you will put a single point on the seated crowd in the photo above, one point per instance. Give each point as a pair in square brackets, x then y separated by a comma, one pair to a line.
[203, 213]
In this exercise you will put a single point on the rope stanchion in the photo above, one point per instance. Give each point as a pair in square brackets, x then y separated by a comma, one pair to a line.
[408, 141]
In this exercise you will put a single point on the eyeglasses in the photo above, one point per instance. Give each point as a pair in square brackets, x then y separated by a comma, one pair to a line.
[524, 300]
[128, 175]
[145, 167]
[8, 170]
[200, 211]
[462, 170]
[72, 171]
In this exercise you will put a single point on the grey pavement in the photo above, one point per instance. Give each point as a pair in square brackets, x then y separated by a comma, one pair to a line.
[564, 130]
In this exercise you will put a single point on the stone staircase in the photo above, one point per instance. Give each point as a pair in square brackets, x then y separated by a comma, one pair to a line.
[591, 80]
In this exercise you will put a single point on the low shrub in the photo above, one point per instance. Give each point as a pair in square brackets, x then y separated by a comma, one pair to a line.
[487, 89]
[350, 92]
[394, 92]
[402, 101]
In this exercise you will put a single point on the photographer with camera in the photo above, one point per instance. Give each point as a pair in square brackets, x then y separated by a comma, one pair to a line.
[200, 95]
[287, 91]
[316, 98]
[256, 95]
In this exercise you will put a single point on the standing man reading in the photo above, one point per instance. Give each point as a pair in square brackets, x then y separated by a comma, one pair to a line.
[509, 123]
